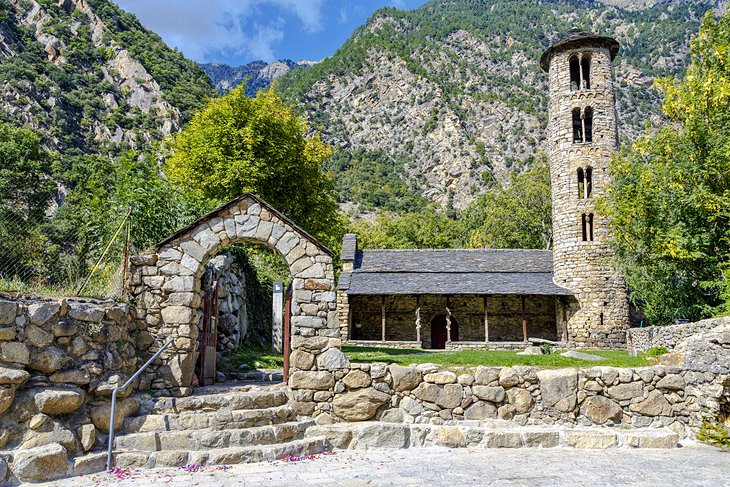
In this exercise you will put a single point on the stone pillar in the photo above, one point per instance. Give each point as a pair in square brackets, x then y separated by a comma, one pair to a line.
[277, 318]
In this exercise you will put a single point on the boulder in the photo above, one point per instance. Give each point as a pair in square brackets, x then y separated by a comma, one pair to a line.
[332, 359]
[49, 360]
[87, 436]
[7, 395]
[449, 436]
[672, 382]
[508, 377]
[485, 375]
[530, 350]
[357, 379]
[300, 359]
[558, 388]
[520, 399]
[15, 353]
[489, 393]
[359, 405]
[318, 381]
[600, 409]
[58, 401]
[40, 464]
[481, 410]
[9, 375]
[40, 313]
[8, 310]
[441, 378]
[100, 414]
[404, 378]
[654, 405]
[626, 391]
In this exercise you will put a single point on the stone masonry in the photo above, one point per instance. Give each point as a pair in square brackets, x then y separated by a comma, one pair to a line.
[599, 316]
[166, 285]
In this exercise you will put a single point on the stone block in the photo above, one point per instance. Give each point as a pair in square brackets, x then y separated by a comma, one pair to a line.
[40, 464]
[86, 312]
[9, 375]
[313, 322]
[40, 313]
[449, 436]
[542, 439]
[672, 382]
[318, 381]
[7, 334]
[382, 435]
[100, 415]
[87, 436]
[14, 352]
[589, 439]
[404, 378]
[357, 379]
[654, 405]
[503, 439]
[485, 375]
[332, 359]
[626, 391]
[600, 409]
[508, 377]
[177, 314]
[8, 311]
[49, 360]
[58, 401]
[480, 410]
[489, 393]
[520, 399]
[301, 360]
[37, 337]
[558, 386]
[440, 378]
[7, 395]
[360, 405]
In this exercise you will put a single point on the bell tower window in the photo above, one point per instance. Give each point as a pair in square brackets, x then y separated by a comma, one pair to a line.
[589, 182]
[588, 124]
[577, 126]
[585, 70]
[574, 73]
[587, 227]
[581, 183]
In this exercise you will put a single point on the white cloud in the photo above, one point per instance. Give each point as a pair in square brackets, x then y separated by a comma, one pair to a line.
[202, 28]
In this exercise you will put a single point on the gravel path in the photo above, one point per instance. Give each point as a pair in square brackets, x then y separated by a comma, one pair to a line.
[682, 467]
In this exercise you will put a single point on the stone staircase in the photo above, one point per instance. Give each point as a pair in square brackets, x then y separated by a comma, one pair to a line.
[218, 425]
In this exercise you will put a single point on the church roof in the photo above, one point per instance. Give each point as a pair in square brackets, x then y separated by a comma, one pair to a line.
[578, 37]
[452, 271]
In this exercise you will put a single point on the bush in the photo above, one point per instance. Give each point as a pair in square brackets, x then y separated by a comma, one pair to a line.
[656, 351]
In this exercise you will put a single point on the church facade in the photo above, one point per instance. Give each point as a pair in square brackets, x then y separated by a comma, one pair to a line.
[500, 299]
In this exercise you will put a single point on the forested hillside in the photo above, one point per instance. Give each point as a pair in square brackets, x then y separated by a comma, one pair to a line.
[432, 104]
[257, 74]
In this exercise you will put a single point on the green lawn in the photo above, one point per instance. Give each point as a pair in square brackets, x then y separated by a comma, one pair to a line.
[259, 358]
[472, 358]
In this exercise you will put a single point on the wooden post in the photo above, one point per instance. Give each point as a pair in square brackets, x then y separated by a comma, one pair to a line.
[418, 319]
[448, 320]
[565, 319]
[382, 317]
[486, 319]
[287, 332]
[524, 320]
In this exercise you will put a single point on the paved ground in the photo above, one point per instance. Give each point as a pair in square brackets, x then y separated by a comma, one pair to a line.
[684, 467]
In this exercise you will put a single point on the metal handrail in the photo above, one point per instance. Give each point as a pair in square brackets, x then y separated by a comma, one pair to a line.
[114, 401]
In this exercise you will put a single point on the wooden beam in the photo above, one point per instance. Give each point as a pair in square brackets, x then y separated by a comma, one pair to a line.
[382, 317]
[486, 318]
[565, 319]
[524, 320]
[418, 321]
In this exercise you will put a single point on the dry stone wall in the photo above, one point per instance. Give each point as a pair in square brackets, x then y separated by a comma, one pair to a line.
[642, 339]
[60, 359]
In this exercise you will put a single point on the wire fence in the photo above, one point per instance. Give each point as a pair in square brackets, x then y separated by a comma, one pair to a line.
[40, 254]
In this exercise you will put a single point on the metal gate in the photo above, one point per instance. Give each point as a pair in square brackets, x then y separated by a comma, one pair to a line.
[209, 338]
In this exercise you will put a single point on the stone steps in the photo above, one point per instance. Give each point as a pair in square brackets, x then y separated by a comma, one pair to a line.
[231, 399]
[96, 462]
[398, 435]
[204, 439]
[215, 420]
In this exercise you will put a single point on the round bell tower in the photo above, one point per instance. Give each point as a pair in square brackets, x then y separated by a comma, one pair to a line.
[582, 135]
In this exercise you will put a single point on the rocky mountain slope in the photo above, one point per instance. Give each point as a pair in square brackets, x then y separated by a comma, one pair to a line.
[259, 74]
[432, 104]
[90, 78]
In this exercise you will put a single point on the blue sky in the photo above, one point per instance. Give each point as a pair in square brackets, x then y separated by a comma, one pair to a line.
[240, 31]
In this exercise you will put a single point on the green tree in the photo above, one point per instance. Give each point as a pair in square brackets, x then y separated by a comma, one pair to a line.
[429, 228]
[239, 144]
[25, 193]
[669, 203]
[517, 215]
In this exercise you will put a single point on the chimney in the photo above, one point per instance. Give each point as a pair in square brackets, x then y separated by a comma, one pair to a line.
[349, 251]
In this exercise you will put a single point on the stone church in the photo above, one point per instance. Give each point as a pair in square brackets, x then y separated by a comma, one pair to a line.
[499, 299]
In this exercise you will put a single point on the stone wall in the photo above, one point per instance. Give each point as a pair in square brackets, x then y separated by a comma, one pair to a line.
[504, 317]
[232, 312]
[692, 386]
[599, 315]
[60, 359]
[642, 339]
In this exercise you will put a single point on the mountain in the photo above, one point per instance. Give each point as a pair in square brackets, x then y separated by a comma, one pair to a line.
[259, 74]
[90, 78]
[433, 104]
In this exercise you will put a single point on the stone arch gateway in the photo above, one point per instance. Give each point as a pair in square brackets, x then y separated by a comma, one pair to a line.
[165, 285]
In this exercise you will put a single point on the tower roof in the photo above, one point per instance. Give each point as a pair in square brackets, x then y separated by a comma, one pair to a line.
[578, 37]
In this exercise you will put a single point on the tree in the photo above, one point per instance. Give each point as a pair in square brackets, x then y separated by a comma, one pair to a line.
[517, 215]
[25, 193]
[669, 203]
[429, 228]
[239, 144]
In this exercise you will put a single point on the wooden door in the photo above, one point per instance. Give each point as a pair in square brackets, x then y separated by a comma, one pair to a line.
[209, 336]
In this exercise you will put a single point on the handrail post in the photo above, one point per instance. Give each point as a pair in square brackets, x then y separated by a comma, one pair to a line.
[114, 401]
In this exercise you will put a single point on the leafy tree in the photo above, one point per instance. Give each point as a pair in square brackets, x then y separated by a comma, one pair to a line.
[429, 228]
[239, 144]
[669, 203]
[25, 193]
[517, 215]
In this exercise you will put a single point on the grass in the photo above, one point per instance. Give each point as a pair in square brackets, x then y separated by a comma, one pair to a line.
[263, 358]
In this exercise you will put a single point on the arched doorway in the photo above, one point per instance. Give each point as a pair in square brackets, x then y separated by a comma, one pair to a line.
[439, 334]
[166, 285]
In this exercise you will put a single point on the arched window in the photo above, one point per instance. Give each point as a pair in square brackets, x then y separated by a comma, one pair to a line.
[585, 68]
[589, 182]
[574, 73]
[588, 125]
[577, 126]
[587, 227]
[581, 183]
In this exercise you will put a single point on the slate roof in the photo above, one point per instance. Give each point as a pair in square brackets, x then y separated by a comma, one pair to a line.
[479, 271]
[577, 37]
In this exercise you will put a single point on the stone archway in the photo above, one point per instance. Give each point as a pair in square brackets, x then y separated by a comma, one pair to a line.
[167, 291]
